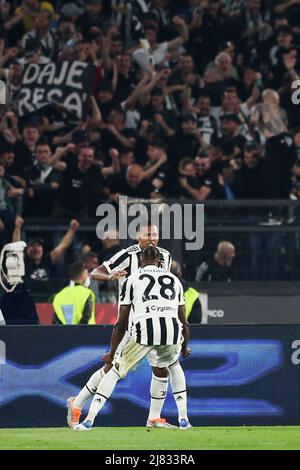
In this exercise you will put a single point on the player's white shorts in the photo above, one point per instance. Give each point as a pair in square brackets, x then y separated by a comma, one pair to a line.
[133, 353]
[121, 347]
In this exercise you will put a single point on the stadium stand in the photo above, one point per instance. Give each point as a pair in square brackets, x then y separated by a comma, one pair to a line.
[203, 111]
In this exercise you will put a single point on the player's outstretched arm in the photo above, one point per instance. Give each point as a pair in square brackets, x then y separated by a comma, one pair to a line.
[102, 275]
[118, 332]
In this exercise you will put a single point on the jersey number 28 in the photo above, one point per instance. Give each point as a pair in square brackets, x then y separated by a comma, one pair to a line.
[167, 290]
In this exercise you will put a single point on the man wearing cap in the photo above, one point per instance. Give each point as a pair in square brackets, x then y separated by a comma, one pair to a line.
[25, 148]
[231, 142]
[38, 263]
[248, 180]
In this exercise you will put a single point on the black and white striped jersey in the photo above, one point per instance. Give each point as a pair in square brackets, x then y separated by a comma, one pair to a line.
[154, 295]
[129, 260]
[129, 14]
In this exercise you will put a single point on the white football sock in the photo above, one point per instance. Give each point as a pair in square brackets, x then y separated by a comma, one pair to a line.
[103, 393]
[178, 384]
[89, 389]
[158, 391]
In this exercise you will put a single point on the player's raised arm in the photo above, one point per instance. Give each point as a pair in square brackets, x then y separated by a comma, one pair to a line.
[101, 274]
[112, 269]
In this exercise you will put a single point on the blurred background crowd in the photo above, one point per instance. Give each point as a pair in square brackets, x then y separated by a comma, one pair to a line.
[202, 111]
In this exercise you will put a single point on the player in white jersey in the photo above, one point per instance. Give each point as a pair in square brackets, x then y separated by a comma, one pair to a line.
[160, 332]
[124, 263]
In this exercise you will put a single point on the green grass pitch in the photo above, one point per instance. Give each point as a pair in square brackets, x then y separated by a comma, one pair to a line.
[205, 438]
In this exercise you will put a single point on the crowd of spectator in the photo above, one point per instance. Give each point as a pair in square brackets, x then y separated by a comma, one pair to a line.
[201, 110]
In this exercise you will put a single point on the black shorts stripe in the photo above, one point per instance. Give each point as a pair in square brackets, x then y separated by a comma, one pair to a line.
[176, 331]
[101, 395]
[123, 291]
[131, 293]
[92, 393]
[150, 331]
[119, 261]
[138, 332]
[163, 331]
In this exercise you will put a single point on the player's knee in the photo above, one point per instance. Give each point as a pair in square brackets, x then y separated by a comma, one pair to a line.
[160, 372]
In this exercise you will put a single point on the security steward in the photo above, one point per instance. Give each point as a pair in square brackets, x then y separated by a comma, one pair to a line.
[193, 308]
[75, 304]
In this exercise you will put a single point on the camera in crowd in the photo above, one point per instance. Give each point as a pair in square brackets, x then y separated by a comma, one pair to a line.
[12, 265]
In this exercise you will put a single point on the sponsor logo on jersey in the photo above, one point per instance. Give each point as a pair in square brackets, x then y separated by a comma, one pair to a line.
[154, 308]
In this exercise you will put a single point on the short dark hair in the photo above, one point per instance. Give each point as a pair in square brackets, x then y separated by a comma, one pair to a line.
[230, 89]
[43, 141]
[157, 143]
[119, 110]
[150, 26]
[150, 253]
[117, 38]
[87, 256]
[86, 146]
[157, 91]
[146, 222]
[7, 148]
[204, 96]
[125, 150]
[106, 86]
[187, 54]
[76, 269]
